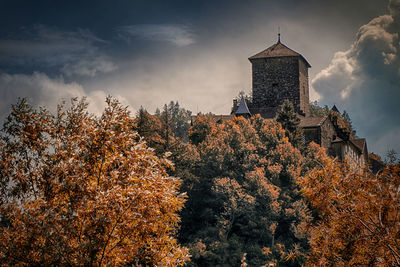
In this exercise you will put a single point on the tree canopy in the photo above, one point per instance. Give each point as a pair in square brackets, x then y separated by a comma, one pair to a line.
[358, 212]
[83, 190]
[287, 116]
[243, 194]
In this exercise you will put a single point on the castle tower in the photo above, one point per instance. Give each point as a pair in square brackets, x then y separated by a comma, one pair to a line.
[279, 73]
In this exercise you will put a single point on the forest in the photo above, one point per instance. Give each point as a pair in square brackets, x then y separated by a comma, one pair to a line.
[172, 189]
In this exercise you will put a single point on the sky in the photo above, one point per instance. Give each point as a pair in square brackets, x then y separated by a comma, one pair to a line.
[147, 53]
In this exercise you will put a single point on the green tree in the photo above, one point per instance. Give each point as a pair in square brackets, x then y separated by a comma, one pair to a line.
[244, 196]
[176, 120]
[349, 123]
[287, 116]
[318, 111]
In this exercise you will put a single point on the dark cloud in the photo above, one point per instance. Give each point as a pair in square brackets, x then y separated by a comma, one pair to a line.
[365, 80]
[179, 35]
[394, 8]
[73, 53]
[151, 52]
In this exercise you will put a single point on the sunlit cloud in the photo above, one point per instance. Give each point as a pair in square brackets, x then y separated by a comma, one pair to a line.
[365, 80]
[41, 90]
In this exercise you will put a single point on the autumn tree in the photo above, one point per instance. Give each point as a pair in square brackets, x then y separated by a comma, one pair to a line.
[359, 223]
[83, 190]
[243, 195]
[201, 129]
[150, 128]
[392, 157]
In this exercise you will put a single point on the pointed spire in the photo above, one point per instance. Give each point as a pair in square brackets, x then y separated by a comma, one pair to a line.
[242, 109]
[334, 108]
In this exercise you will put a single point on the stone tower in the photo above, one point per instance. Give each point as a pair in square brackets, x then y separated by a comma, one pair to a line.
[279, 73]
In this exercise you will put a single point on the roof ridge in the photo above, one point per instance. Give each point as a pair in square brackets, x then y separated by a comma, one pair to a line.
[278, 50]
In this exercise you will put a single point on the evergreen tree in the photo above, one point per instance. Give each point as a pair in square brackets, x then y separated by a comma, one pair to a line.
[149, 127]
[287, 117]
[243, 195]
[176, 120]
[162, 129]
[318, 111]
[347, 120]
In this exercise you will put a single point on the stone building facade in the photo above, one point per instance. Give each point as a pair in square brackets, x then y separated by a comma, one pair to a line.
[319, 130]
[353, 151]
[280, 73]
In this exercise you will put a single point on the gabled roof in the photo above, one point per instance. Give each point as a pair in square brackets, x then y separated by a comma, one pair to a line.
[311, 122]
[360, 143]
[243, 109]
[278, 50]
[337, 140]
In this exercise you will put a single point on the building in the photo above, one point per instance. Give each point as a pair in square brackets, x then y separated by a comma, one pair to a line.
[280, 73]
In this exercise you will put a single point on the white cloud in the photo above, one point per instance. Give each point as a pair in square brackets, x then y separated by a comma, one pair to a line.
[179, 35]
[365, 80]
[41, 90]
[337, 79]
[88, 67]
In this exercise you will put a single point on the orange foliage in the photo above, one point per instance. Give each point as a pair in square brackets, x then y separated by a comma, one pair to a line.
[359, 216]
[81, 190]
[258, 200]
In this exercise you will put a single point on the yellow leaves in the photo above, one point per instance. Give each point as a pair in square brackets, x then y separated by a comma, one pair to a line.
[275, 169]
[281, 249]
[266, 251]
[354, 207]
[94, 196]
[291, 256]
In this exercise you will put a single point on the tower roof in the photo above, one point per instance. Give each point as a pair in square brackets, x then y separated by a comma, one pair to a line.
[278, 50]
[242, 109]
[334, 108]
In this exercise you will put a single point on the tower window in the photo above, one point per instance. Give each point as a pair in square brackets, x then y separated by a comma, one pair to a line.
[275, 84]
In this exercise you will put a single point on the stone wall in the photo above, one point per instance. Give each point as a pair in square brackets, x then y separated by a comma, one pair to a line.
[279, 78]
[323, 135]
[304, 89]
[275, 79]
[328, 134]
[312, 135]
[352, 155]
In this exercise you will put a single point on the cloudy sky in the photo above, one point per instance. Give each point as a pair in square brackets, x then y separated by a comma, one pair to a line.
[147, 53]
